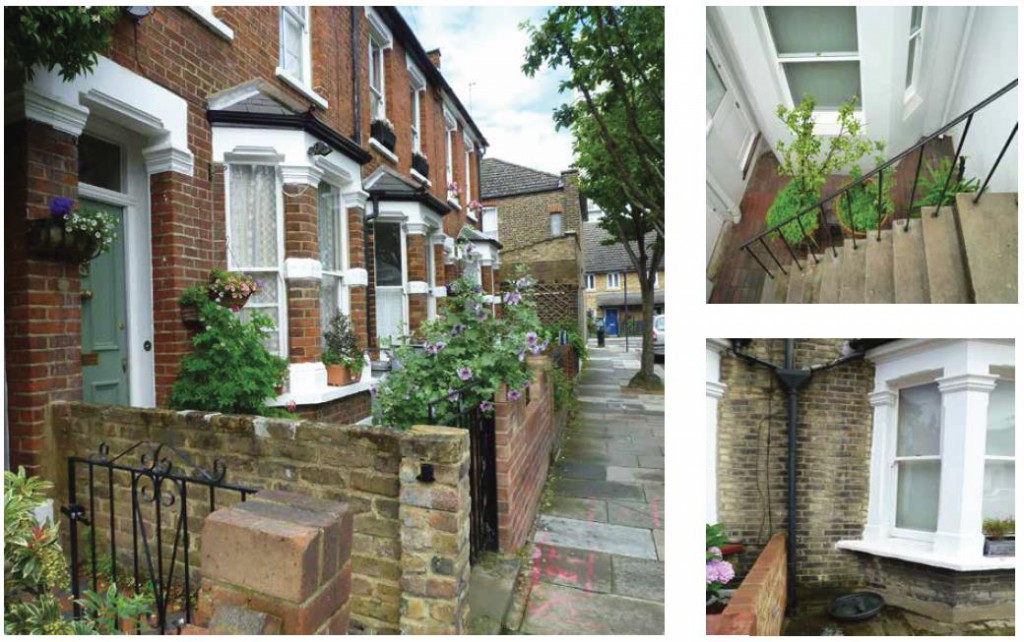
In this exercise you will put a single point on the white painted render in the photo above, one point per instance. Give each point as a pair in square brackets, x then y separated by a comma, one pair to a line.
[714, 389]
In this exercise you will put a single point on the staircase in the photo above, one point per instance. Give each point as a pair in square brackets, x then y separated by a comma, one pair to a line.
[964, 254]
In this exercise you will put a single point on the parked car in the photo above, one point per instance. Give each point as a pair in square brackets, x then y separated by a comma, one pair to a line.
[659, 338]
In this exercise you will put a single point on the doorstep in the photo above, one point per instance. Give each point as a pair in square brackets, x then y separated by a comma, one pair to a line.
[311, 397]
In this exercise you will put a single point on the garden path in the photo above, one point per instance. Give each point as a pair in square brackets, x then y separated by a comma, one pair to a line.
[597, 563]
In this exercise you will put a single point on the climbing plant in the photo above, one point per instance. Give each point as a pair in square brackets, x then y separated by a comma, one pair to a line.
[71, 38]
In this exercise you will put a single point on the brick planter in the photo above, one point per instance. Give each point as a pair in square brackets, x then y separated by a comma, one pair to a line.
[759, 604]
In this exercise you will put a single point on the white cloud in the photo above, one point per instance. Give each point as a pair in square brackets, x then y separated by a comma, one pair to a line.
[484, 46]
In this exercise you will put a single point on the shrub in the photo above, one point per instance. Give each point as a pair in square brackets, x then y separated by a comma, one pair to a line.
[552, 331]
[717, 571]
[790, 201]
[931, 184]
[229, 369]
[862, 200]
[465, 350]
[998, 528]
[67, 37]
[342, 347]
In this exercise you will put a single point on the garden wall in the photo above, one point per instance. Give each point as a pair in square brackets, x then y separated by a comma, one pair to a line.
[410, 550]
[758, 606]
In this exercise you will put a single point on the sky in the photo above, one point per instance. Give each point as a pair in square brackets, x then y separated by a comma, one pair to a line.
[484, 46]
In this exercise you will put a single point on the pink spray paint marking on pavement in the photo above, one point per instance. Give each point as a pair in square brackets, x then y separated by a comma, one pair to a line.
[654, 512]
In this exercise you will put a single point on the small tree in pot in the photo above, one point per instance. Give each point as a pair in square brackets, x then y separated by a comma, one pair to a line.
[342, 356]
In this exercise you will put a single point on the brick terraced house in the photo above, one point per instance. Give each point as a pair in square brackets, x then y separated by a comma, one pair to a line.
[894, 453]
[246, 138]
[537, 217]
[612, 286]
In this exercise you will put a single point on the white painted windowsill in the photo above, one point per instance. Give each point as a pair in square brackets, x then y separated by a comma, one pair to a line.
[301, 87]
[205, 16]
[322, 395]
[379, 146]
[920, 553]
[826, 123]
[421, 178]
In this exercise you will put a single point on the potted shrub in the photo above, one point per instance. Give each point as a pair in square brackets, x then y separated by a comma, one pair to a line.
[931, 185]
[72, 236]
[717, 572]
[231, 289]
[420, 164]
[191, 301]
[999, 537]
[341, 355]
[384, 132]
[858, 209]
[806, 159]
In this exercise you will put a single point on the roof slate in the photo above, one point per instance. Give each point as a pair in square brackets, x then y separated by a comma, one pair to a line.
[501, 178]
[606, 258]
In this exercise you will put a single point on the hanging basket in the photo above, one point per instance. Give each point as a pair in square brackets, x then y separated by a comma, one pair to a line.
[48, 239]
[190, 316]
[225, 301]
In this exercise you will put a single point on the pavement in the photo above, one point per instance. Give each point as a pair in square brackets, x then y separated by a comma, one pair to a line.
[597, 558]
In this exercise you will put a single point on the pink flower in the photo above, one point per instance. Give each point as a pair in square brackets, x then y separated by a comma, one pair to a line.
[290, 406]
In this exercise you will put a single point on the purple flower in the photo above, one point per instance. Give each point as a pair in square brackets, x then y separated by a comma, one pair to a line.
[481, 314]
[430, 349]
[477, 289]
[457, 329]
[290, 406]
[439, 346]
[513, 298]
[531, 339]
[486, 406]
[717, 552]
[465, 373]
[453, 395]
[719, 572]
[60, 206]
[514, 395]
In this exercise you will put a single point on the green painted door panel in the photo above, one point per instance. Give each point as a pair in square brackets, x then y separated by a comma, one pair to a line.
[104, 320]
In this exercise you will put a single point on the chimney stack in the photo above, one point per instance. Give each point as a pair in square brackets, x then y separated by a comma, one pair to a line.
[435, 57]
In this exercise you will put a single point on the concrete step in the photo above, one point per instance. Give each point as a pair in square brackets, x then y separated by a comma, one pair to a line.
[851, 289]
[947, 282]
[812, 279]
[989, 233]
[878, 278]
[831, 274]
[795, 292]
[910, 272]
[775, 288]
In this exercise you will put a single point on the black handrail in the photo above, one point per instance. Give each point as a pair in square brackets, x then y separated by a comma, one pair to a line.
[919, 146]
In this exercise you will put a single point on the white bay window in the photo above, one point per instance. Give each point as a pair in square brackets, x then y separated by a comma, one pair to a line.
[332, 238]
[998, 492]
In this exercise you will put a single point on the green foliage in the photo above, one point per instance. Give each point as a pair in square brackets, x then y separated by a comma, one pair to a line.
[807, 159]
[342, 347]
[789, 202]
[466, 349]
[551, 332]
[67, 37]
[562, 390]
[714, 538]
[862, 200]
[229, 369]
[94, 223]
[36, 569]
[615, 59]
[998, 528]
[931, 184]
[195, 295]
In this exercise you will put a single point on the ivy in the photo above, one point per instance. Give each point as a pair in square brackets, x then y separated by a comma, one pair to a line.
[71, 38]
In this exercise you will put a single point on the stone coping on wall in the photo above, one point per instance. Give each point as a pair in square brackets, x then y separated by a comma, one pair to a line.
[920, 553]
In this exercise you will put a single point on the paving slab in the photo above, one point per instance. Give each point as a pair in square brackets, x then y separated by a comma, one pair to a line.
[630, 475]
[580, 470]
[597, 489]
[659, 543]
[606, 538]
[642, 579]
[491, 583]
[577, 568]
[556, 610]
[636, 514]
[651, 461]
[654, 491]
[591, 510]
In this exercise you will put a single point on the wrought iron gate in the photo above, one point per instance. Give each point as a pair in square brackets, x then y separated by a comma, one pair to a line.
[483, 478]
[161, 505]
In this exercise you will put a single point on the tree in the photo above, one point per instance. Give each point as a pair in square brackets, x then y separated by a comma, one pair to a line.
[616, 62]
[67, 37]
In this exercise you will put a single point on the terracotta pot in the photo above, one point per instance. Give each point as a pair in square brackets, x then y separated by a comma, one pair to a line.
[338, 375]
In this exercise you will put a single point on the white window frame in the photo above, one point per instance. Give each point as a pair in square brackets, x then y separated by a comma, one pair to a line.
[404, 287]
[656, 279]
[826, 121]
[1003, 458]
[612, 281]
[918, 35]
[380, 38]
[467, 144]
[552, 217]
[341, 252]
[966, 371]
[414, 94]
[590, 285]
[204, 13]
[451, 127]
[484, 218]
[893, 477]
[278, 270]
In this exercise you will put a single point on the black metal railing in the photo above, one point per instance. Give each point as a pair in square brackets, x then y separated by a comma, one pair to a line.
[776, 230]
[158, 490]
[457, 411]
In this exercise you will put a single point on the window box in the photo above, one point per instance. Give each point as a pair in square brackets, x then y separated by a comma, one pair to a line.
[420, 164]
[999, 547]
[384, 134]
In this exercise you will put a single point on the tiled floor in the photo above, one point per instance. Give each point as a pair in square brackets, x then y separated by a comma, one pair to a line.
[740, 278]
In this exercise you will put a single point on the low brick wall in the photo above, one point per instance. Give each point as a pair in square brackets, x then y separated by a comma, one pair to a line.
[941, 594]
[758, 606]
[411, 539]
[525, 434]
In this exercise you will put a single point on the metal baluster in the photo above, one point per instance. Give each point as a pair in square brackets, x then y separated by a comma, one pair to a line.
[772, 254]
[92, 530]
[849, 209]
[135, 530]
[790, 249]
[913, 190]
[157, 575]
[184, 517]
[804, 233]
[754, 256]
[113, 548]
[76, 589]
[999, 158]
[878, 214]
[828, 231]
[945, 185]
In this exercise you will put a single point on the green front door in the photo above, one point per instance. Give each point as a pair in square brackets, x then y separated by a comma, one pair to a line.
[104, 319]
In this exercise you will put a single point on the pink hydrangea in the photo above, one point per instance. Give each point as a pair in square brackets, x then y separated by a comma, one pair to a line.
[719, 572]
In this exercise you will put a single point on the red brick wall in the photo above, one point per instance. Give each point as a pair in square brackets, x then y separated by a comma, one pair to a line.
[347, 410]
[524, 433]
[759, 604]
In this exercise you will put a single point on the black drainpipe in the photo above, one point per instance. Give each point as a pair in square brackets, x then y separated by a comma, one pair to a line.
[357, 128]
[367, 221]
[792, 380]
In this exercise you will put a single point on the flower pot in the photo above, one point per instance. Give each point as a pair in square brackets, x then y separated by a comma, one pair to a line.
[190, 317]
[384, 136]
[421, 165]
[338, 375]
[48, 239]
[999, 547]
[226, 301]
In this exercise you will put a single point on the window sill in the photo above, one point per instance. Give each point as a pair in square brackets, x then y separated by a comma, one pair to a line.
[471, 215]
[322, 395]
[826, 123]
[421, 178]
[454, 202]
[301, 87]
[911, 101]
[379, 146]
[920, 553]
[211, 22]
